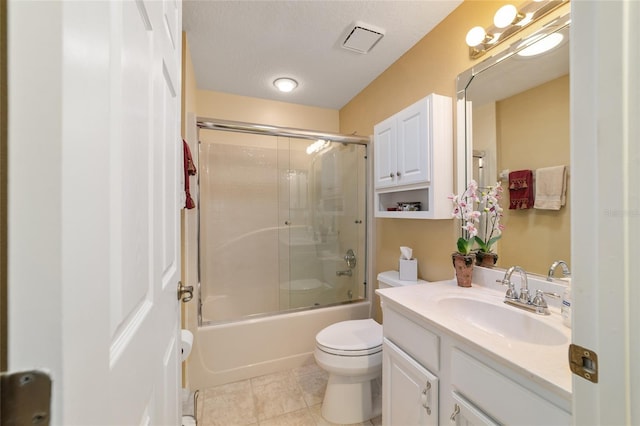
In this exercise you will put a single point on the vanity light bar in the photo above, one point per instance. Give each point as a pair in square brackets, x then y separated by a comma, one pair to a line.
[480, 41]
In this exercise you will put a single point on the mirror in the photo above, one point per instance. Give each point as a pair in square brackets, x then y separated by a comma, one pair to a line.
[513, 113]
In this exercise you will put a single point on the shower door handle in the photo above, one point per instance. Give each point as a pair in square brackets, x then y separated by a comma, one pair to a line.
[185, 293]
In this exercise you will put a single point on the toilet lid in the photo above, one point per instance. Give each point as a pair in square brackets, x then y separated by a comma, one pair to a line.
[351, 338]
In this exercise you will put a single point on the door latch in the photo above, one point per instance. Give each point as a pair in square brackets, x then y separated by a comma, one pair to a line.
[25, 398]
[583, 362]
[185, 293]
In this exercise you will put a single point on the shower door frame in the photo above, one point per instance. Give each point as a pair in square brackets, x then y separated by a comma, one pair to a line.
[269, 130]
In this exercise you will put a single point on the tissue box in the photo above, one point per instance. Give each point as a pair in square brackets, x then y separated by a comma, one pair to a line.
[408, 269]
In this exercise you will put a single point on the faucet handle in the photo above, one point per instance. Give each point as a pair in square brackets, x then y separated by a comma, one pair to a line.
[524, 295]
[511, 293]
[538, 301]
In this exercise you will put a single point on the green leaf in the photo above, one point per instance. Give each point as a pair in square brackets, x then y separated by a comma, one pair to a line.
[483, 247]
[464, 246]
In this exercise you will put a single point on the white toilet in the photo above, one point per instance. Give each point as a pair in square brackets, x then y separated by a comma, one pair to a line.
[351, 352]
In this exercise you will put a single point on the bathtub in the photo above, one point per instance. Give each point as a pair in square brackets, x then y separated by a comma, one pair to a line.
[225, 353]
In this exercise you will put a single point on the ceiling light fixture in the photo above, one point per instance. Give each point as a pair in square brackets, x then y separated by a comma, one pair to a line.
[508, 21]
[285, 84]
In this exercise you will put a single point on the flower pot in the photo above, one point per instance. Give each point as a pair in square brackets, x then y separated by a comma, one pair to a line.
[463, 264]
[488, 260]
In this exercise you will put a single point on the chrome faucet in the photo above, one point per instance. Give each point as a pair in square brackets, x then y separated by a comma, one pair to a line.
[538, 305]
[512, 294]
[565, 269]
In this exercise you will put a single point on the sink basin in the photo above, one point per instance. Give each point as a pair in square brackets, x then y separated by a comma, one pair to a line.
[504, 321]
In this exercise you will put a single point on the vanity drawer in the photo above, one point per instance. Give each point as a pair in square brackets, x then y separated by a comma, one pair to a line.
[420, 343]
[499, 396]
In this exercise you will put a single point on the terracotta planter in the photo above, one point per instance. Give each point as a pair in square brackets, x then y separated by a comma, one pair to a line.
[463, 264]
[487, 260]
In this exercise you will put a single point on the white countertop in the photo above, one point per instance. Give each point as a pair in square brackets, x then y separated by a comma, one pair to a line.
[546, 365]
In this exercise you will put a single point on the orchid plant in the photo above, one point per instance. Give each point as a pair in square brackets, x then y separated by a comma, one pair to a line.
[491, 212]
[485, 234]
[463, 209]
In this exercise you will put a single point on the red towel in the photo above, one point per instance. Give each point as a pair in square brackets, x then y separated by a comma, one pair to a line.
[189, 170]
[520, 190]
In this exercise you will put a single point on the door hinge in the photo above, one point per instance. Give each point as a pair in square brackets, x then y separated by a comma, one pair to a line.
[583, 362]
[25, 398]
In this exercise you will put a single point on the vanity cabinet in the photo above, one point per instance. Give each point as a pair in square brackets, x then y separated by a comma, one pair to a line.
[413, 157]
[468, 385]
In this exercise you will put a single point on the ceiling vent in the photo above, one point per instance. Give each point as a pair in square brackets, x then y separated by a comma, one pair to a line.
[362, 37]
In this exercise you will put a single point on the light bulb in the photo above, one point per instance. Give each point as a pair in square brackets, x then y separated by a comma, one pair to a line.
[285, 84]
[543, 45]
[475, 36]
[505, 16]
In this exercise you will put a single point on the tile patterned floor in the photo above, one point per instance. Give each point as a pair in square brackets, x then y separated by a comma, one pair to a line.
[288, 398]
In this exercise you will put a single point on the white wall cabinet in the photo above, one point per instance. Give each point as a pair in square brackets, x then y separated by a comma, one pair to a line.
[473, 388]
[413, 157]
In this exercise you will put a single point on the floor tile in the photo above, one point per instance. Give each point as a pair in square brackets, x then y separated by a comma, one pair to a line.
[278, 396]
[296, 418]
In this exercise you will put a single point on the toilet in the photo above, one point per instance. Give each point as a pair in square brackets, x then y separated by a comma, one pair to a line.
[351, 352]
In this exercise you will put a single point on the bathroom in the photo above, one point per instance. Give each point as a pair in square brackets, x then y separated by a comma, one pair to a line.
[207, 367]
[410, 78]
[59, 288]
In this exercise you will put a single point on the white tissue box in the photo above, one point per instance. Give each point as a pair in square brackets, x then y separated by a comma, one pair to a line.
[408, 269]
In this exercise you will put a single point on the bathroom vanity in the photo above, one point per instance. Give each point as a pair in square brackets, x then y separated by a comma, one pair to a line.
[460, 355]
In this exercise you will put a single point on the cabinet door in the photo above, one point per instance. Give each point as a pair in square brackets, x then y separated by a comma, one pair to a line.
[409, 391]
[464, 413]
[413, 144]
[385, 153]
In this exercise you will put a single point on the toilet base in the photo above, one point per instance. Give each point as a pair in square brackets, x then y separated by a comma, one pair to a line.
[349, 401]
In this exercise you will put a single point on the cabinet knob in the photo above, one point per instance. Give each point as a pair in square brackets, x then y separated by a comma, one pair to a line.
[391, 175]
[398, 174]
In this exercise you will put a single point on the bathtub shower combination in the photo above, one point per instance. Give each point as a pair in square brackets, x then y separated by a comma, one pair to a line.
[283, 240]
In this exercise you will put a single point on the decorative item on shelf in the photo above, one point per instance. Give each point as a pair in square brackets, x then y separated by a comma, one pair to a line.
[409, 206]
[463, 209]
[490, 227]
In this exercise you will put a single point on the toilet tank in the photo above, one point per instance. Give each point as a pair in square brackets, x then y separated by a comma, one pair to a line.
[392, 279]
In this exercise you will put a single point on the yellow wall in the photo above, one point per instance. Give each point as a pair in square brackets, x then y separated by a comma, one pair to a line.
[431, 66]
[533, 132]
[188, 84]
[226, 106]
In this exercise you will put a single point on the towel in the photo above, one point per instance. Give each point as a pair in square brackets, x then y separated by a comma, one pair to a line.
[520, 190]
[189, 170]
[551, 188]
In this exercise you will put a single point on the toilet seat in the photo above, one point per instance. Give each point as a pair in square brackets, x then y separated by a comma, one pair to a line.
[351, 338]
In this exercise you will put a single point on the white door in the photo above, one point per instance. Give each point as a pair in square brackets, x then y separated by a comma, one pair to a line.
[605, 106]
[94, 172]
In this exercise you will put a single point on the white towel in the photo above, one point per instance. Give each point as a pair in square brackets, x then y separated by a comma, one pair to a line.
[551, 188]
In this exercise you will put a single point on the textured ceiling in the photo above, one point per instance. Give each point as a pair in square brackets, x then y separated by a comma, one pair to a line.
[240, 47]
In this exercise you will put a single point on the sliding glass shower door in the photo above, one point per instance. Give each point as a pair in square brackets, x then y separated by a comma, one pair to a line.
[278, 218]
